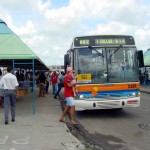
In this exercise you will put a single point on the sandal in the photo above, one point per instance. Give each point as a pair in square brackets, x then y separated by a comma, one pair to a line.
[73, 123]
[62, 121]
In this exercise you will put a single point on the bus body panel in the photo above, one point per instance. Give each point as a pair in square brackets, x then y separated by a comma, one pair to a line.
[106, 104]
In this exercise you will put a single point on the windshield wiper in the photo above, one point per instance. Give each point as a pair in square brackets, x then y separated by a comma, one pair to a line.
[97, 52]
[116, 50]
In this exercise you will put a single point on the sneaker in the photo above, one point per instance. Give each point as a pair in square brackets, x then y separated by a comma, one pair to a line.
[6, 122]
[13, 120]
[55, 97]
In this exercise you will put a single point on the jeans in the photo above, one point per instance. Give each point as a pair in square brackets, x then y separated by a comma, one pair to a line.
[54, 86]
[59, 89]
[9, 101]
[47, 87]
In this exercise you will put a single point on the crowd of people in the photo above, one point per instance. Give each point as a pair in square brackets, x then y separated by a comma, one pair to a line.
[45, 79]
[9, 89]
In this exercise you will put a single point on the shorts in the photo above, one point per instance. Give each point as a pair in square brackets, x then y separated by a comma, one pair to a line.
[70, 101]
[42, 86]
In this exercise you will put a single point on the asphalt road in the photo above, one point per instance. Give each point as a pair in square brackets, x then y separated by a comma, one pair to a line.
[127, 129]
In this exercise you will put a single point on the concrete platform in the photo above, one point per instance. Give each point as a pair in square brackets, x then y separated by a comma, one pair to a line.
[39, 131]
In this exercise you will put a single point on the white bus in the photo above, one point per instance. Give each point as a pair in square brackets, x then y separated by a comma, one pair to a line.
[107, 69]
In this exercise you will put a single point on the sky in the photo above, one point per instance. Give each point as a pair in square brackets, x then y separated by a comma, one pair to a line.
[49, 26]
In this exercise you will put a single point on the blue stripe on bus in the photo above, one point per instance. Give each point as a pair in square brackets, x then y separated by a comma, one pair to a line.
[116, 93]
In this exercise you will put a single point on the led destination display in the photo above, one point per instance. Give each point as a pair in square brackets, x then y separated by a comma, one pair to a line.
[103, 40]
[110, 41]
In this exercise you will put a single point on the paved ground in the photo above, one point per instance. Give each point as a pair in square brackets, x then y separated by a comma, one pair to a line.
[39, 131]
[145, 89]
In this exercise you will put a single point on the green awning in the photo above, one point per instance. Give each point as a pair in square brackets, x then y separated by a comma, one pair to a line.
[147, 58]
[11, 47]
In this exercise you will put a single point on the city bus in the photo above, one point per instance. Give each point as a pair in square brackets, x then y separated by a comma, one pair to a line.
[107, 71]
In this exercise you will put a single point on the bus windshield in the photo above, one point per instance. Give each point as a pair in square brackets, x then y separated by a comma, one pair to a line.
[107, 65]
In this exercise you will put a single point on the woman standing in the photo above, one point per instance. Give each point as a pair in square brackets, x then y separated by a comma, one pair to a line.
[42, 81]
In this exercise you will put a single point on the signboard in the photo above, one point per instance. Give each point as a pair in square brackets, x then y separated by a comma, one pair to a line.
[103, 40]
[83, 78]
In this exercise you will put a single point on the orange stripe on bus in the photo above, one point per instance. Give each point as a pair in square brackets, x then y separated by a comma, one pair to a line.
[106, 87]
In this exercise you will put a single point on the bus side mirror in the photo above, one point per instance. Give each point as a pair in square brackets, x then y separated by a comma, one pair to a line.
[140, 58]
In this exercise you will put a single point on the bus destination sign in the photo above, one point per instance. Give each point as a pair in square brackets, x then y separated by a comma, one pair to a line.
[110, 41]
[103, 40]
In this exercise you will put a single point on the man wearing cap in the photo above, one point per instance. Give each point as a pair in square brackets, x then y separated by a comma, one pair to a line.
[69, 96]
[10, 83]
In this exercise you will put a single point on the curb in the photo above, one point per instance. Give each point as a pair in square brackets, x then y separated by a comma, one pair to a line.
[145, 91]
[80, 145]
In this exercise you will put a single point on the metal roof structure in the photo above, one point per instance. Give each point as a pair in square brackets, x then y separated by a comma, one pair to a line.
[13, 48]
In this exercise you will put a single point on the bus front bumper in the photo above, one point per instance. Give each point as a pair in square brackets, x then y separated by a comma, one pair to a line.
[93, 104]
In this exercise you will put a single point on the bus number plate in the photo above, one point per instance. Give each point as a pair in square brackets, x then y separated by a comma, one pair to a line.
[84, 78]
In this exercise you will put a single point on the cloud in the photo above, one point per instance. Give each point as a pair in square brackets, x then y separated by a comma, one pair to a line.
[113, 28]
[129, 11]
[27, 30]
[27, 5]
[142, 37]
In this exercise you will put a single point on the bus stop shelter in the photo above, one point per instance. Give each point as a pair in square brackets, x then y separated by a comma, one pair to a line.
[16, 54]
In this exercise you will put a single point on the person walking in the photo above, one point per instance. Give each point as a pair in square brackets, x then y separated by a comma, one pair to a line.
[69, 96]
[60, 83]
[10, 83]
[54, 78]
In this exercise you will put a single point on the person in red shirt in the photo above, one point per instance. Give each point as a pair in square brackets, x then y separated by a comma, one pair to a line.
[54, 78]
[69, 96]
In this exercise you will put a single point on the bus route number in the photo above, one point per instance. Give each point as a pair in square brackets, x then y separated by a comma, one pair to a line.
[131, 86]
[83, 77]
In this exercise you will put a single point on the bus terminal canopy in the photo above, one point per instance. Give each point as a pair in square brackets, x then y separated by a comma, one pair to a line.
[13, 48]
[147, 58]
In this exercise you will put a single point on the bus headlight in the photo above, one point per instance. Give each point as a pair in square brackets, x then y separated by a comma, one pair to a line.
[139, 93]
[81, 97]
[133, 94]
